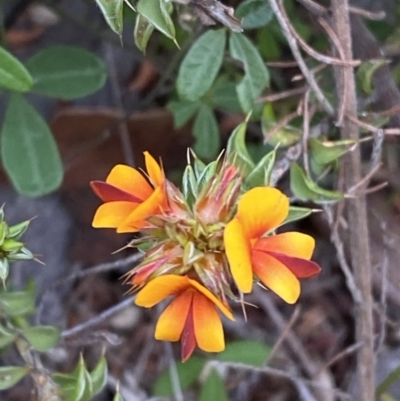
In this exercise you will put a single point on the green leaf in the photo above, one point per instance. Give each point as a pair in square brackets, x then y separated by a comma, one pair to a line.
[206, 132]
[3, 231]
[213, 388]
[261, 174]
[298, 213]
[224, 96]
[13, 74]
[247, 352]
[112, 12]
[188, 373]
[66, 72]
[17, 303]
[237, 149]
[142, 32]
[7, 336]
[388, 382]
[28, 150]
[156, 13]
[324, 153]
[255, 13]
[10, 375]
[79, 374]
[189, 185]
[10, 245]
[306, 189]
[183, 111]
[256, 73]
[366, 71]
[42, 338]
[201, 64]
[118, 397]
[17, 230]
[99, 375]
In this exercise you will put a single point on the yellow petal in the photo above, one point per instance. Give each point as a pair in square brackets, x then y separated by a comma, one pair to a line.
[276, 276]
[129, 180]
[292, 243]
[262, 209]
[237, 249]
[224, 309]
[153, 169]
[160, 288]
[207, 324]
[150, 206]
[172, 321]
[112, 214]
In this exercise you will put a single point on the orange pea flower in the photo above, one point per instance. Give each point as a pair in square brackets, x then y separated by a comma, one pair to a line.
[277, 260]
[191, 316]
[129, 199]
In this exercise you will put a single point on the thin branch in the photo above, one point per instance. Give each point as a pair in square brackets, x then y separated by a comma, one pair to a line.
[282, 95]
[299, 58]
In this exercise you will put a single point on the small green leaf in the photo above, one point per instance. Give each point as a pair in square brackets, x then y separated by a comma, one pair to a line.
[7, 336]
[261, 174]
[142, 32]
[366, 72]
[42, 338]
[80, 382]
[10, 245]
[3, 231]
[118, 397]
[99, 375]
[189, 185]
[13, 74]
[183, 111]
[112, 12]
[17, 230]
[206, 132]
[324, 153]
[247, 352]
[66, 72]
[17, 303]
[306, 189]
[188, 373]
[22, 254]
[237, 150]
[256, 73]
[388, 382]
[28, 150]
[201, 64]
[298, 213]
[156, 13]
[224, 96]
[255, 13]
[10, 375]
[213, 388]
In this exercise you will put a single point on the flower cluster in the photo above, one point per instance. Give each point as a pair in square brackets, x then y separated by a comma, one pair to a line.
[204, 246]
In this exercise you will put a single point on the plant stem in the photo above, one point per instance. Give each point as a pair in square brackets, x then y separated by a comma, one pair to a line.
[356, 209]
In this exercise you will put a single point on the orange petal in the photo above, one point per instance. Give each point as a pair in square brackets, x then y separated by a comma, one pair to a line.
[292, 243]
[172, 321]
[112, 214]
[262, 209]
[153, 169]
[129, 180]
[207, 325]
[237, 249]
[301, 268]
[224, 309]
[276, 276]
[160, 288]
[109, 193]
[137, 218]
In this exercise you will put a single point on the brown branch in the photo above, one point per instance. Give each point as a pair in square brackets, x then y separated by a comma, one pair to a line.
[356, 212]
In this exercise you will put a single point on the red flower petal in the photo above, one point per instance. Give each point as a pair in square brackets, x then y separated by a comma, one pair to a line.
[109, 193]
[301, 268]
[188, 339]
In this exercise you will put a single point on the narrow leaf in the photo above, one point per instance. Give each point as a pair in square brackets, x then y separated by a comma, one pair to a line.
[13, 74]
[201, 65]
[324, 153]
[10, 375]
[306, 189]
[66, 72]
[206, 132]
[28, 150]
[112, 12]
[42, 338]
[298, 213]
[256, 73]
[213, 388]
[142, 32]
[99, 375]
[156, 13]
[237, 149]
